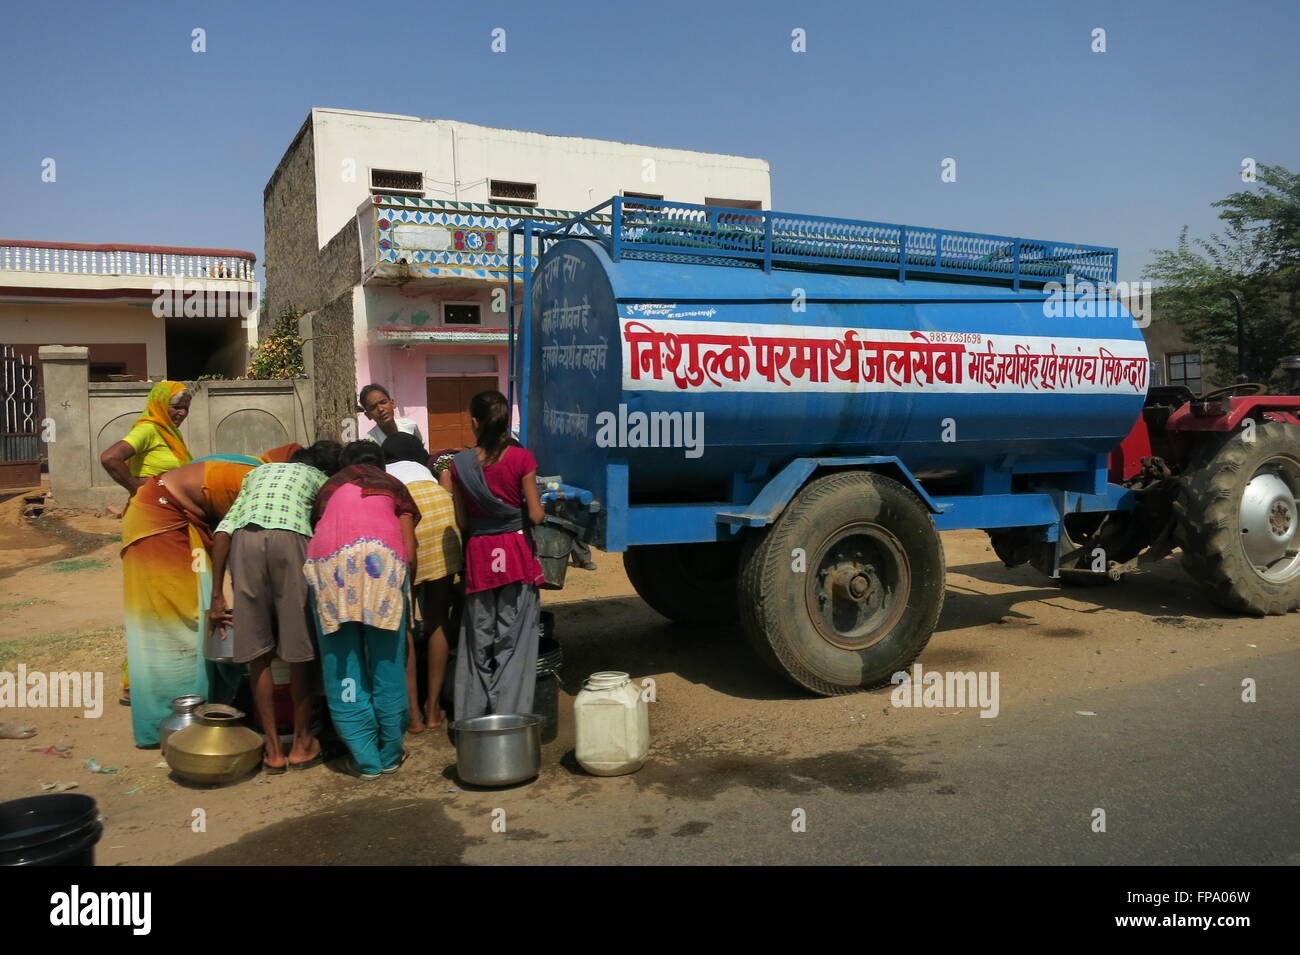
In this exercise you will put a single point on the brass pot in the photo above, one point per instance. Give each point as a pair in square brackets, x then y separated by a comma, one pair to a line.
[216, 748]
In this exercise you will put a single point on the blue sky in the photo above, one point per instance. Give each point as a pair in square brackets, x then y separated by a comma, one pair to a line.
[157, 144]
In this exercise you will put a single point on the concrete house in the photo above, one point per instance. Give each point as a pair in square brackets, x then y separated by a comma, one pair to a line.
[143, 311]
[130, 314]
[390, 233]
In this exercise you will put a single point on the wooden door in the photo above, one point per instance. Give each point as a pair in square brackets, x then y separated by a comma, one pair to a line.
[448, 401]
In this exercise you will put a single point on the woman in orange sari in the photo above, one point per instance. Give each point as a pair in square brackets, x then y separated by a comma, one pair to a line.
[166, 536]
[153, 446]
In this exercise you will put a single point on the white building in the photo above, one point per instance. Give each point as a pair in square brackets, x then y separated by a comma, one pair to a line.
[390, 231]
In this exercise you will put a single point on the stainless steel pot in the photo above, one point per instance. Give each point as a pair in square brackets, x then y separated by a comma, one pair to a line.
[182, 715]
[498, 750]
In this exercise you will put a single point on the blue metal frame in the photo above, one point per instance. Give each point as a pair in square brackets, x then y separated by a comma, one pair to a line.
[710, 235]
[702, 235]
[689, 523]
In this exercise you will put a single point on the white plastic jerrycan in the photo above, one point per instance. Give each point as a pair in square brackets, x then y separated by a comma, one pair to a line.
[612, 724]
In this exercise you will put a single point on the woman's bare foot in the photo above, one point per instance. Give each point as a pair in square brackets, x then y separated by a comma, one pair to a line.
[434, 716]
[416, 724]
[273, 765]
[299, 756]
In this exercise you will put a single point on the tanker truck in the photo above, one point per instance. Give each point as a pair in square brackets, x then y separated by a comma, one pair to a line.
[774, 415]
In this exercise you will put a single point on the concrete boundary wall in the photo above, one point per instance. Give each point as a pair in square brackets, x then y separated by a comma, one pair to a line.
[241, 417]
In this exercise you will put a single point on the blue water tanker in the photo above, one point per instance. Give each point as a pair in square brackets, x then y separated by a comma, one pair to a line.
[773, 414]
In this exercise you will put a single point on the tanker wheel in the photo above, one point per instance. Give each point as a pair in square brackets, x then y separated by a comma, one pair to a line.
[845, 588]
[1239, 522]
[691, 584]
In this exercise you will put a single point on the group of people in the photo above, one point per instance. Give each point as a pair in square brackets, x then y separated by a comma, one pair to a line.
[341, 559]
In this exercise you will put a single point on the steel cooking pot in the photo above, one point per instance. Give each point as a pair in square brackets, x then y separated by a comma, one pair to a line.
[498, 750]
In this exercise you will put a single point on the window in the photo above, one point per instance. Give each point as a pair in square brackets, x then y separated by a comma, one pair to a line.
[734, 203]
[1185, 369]
[1157, 374]
[395, 182]
[458, 313]
[512, 193]
[107, 370]
[637, 195]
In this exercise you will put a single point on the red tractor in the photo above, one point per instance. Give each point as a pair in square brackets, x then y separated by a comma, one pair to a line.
[1217, 476]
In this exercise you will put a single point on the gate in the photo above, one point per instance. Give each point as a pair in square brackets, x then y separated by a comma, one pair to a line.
[20, 441]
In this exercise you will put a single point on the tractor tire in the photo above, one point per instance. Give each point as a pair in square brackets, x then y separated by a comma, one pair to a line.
[845, 589]
[1238, 521]
[690, 584]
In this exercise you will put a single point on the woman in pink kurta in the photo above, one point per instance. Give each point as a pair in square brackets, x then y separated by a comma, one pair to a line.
[494, 560]
[497, 505]
[358, 570]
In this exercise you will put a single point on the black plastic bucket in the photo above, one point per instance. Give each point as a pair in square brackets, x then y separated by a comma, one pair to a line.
[546, 698]
[554, 539]
[55, 829]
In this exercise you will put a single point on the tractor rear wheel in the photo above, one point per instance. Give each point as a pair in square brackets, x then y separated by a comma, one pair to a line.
[690, 584]
[845, 589]
[1239, 522]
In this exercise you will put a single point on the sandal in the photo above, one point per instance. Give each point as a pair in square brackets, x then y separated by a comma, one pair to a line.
[401, 759]
[355, 770]
[307, 763]
[274, 770]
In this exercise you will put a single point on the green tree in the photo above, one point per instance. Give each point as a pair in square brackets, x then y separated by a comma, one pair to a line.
[1257, 257]
[279, 354]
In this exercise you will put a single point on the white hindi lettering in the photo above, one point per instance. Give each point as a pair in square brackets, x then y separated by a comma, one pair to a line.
[590, 357]
[566, 317]
[569, 423]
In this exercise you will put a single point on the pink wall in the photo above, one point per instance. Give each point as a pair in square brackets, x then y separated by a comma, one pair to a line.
[403, 372]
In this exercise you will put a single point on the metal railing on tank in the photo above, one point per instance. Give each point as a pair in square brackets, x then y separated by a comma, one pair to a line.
[722, 235]
[679, 231]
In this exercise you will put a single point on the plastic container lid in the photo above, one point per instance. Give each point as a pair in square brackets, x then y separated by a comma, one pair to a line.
[607, 680]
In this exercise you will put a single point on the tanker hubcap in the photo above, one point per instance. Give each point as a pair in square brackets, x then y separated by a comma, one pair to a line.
[858, 584]
[1270, 519]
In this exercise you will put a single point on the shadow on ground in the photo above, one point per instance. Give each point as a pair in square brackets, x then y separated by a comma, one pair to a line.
[622, 633]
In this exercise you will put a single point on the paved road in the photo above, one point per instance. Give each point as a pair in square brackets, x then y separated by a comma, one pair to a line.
[1186, 772]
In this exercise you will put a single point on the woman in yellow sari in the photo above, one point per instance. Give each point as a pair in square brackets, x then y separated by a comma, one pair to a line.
[153, 446]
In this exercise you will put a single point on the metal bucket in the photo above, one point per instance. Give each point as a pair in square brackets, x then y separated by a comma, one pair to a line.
[498, 750]
[219, 644]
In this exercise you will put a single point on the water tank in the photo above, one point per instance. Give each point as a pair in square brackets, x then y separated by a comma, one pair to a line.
[738, 370]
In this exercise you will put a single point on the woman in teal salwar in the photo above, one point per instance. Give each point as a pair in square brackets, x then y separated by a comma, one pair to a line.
[359, 567]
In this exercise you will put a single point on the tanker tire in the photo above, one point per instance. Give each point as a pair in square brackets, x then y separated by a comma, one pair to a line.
[774, 608]
[1209, 524]
[669, 578]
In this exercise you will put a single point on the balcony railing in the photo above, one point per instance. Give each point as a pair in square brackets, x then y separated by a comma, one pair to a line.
[75, 258]
[409, 238]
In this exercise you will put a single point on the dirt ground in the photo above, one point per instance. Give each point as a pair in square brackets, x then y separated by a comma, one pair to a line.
[720, 715]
